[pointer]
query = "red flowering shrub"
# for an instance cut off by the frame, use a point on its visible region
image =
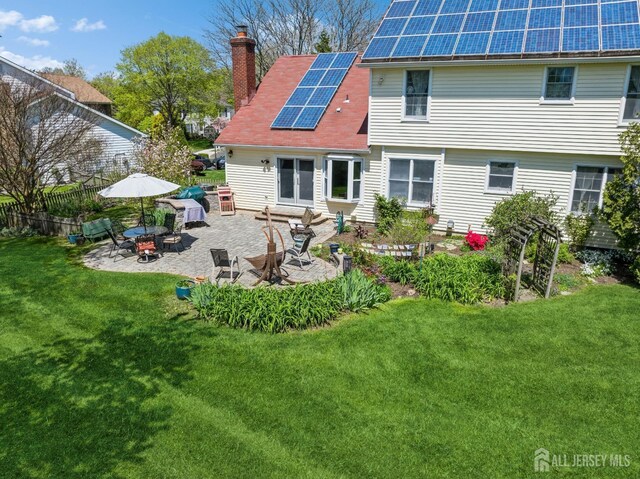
(476, 241)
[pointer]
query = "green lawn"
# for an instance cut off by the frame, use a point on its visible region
(211, 175)
(198, 145)
(106, 375)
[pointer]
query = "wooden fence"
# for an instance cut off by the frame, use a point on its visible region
(49, 201)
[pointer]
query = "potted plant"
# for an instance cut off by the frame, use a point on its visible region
(75, 238)
(183, 288)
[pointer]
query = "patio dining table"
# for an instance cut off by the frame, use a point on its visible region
(140, 230)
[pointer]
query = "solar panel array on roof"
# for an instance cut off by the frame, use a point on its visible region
(310, 99)
(461, 28)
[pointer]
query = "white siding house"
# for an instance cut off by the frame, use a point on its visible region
(117, 138)
(482, 114)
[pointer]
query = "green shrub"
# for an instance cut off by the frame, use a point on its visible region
(14, 232)
(398, 271)
(578, 228)
(635, 269)
(409, 228)
(467, 279)
(564, 254)
(276, 310)
(160, 214)
(387, 212)
(517, 209)
(73, 208)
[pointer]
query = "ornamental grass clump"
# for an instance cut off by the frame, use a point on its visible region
(276, 310)
(467, 279)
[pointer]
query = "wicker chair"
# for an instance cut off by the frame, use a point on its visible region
(224, 265)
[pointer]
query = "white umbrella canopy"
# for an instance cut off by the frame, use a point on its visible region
(138, 185)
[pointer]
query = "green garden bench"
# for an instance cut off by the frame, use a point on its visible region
(97, 229)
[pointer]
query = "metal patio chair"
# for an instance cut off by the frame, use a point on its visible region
(224, 265)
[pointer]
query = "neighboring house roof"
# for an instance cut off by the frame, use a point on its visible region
(435, 30)
(337, 131)
(83, 91)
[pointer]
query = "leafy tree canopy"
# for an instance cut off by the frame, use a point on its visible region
(172, 75)
(70, 67)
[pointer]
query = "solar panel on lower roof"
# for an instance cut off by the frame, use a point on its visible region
(287, 117)
(526, 27)
(309, 118)
(308, 102)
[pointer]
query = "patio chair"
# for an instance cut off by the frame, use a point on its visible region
(146, 248)
(224, 265)
(174, 239)
(118, 246)
(170, 221)
(299, 250)
(302, 225)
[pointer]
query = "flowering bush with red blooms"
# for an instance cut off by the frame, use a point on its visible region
(476, 241)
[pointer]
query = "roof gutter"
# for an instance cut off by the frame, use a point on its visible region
(497, 61)
(293, 148)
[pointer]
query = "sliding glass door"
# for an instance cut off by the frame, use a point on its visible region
(295, 181)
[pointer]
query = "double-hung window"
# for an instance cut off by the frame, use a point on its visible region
(416, 94)
(632, 100)
(559, 84)
(343, 178)
(501, 176)
(589, 185)
(412, 180)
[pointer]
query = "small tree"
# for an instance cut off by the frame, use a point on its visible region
(516, 210)
(621, 201)
(165, 156)
(42, 135)
(324, 43)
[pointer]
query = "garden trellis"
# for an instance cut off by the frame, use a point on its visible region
(548, 241)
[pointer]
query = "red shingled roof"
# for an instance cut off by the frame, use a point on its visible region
(346, 130)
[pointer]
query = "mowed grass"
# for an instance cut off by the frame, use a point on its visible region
(106, 375)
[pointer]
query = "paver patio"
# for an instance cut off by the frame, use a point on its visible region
(241, 235)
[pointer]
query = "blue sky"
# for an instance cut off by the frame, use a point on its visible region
(40, 33)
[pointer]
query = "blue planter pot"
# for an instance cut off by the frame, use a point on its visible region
(75, 239)
(333, 247)
(183, 292)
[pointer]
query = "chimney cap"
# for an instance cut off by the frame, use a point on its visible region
(242, 30)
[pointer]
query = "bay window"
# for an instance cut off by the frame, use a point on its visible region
(343, 178)
(412, 180)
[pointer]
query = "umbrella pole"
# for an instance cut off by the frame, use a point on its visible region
(144, 221)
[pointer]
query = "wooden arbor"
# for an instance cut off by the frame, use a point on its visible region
(549, 237)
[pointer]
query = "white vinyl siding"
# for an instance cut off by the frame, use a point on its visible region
(498, 108)
(254, 184)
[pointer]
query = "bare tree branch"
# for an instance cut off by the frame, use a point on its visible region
(42, 135)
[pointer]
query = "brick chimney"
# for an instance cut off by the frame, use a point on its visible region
(243, 57)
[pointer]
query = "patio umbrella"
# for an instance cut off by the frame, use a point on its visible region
(139, 185)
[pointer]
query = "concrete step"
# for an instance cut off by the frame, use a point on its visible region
(283, 214)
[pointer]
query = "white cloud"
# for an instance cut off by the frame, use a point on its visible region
(43, 24)
(9, 19)
(36, 62)
(34, 42)
(83, 25)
